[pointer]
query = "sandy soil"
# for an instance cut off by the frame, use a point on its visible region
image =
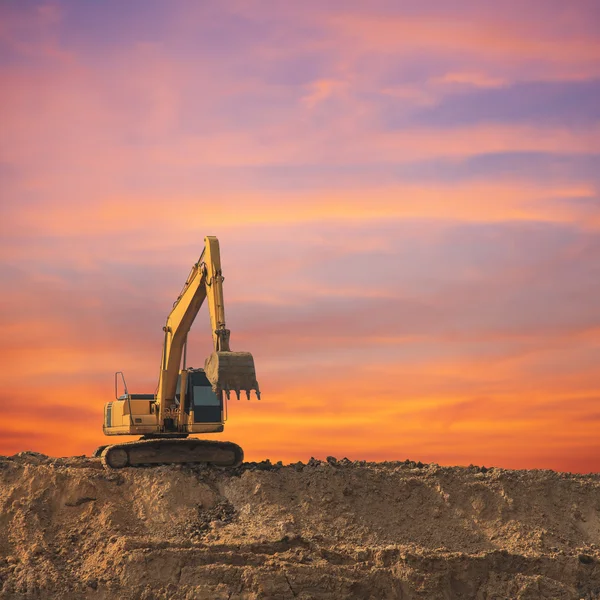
(402, 530)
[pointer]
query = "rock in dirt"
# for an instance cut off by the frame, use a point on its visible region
(331, 529)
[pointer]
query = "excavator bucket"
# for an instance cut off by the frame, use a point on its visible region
(232, 371)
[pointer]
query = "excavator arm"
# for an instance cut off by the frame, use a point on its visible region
(226, 370)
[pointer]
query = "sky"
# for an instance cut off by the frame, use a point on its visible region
(407, 196)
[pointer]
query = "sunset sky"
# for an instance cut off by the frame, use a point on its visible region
(407, 196)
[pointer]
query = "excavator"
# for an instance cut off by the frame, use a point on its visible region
(187, 401)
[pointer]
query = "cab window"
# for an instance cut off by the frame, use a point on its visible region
(204, 396)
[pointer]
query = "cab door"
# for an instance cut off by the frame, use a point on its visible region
(206, 406)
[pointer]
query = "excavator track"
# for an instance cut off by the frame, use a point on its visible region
(171, 451)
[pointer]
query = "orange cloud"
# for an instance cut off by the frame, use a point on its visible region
(476, 79)
(482, 37)
(472, 202)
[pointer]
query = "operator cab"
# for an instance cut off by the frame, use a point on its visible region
(201, 401)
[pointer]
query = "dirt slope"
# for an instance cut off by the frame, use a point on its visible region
(69, 529)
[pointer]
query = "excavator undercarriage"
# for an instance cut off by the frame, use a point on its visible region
(166, 451)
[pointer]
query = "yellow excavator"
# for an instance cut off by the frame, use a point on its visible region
(187, 400)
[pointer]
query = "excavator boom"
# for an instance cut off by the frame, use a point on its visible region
(226, 370)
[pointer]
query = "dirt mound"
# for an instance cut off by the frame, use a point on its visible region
(330, 529)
